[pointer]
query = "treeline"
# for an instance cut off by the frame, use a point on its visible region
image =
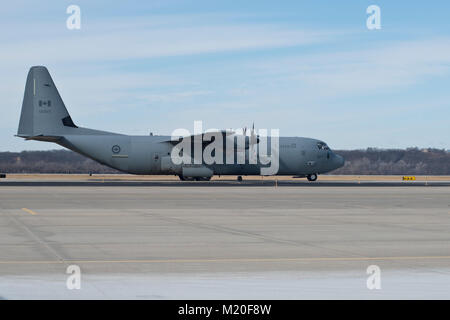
(53, 161)
(412, 161)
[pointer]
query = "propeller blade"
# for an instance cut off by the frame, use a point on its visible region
(253, 138)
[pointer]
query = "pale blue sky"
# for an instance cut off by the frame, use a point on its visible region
(308, 68)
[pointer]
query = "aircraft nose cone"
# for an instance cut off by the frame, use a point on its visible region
(339, 161)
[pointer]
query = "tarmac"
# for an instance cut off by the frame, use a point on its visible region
(225, 239)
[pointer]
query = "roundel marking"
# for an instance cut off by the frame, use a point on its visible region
(115, 149)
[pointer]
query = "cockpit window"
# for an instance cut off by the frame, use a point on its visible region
(322, 146)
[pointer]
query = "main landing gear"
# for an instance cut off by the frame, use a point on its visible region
(312, 177)
(182, 178)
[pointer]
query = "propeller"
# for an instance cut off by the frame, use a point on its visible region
(253, 141)
(253, 138)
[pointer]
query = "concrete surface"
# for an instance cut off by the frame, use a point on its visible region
(167, 241)
(132, 177)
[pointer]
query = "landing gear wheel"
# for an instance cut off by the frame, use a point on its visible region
(239, 178)
(312, 177)
(203, 178)
(182, 178)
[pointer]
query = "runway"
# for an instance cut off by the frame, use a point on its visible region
(157, 239)
(218, 183)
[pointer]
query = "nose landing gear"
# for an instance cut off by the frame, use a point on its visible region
(312, 177)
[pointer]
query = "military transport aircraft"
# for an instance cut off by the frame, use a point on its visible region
(44, 117)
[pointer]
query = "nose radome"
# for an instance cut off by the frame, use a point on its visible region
(339, 160)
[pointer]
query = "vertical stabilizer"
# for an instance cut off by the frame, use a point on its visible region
(43, 111)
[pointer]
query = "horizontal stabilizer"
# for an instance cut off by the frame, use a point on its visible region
(41, 138)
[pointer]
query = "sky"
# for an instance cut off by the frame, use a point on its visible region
(307, 68)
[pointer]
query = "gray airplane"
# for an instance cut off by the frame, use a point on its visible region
(44, 117)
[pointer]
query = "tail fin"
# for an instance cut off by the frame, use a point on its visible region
(43, 111)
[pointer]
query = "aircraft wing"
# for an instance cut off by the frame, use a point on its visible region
(193, 137)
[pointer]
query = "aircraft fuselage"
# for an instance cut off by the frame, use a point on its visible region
(148, 155)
